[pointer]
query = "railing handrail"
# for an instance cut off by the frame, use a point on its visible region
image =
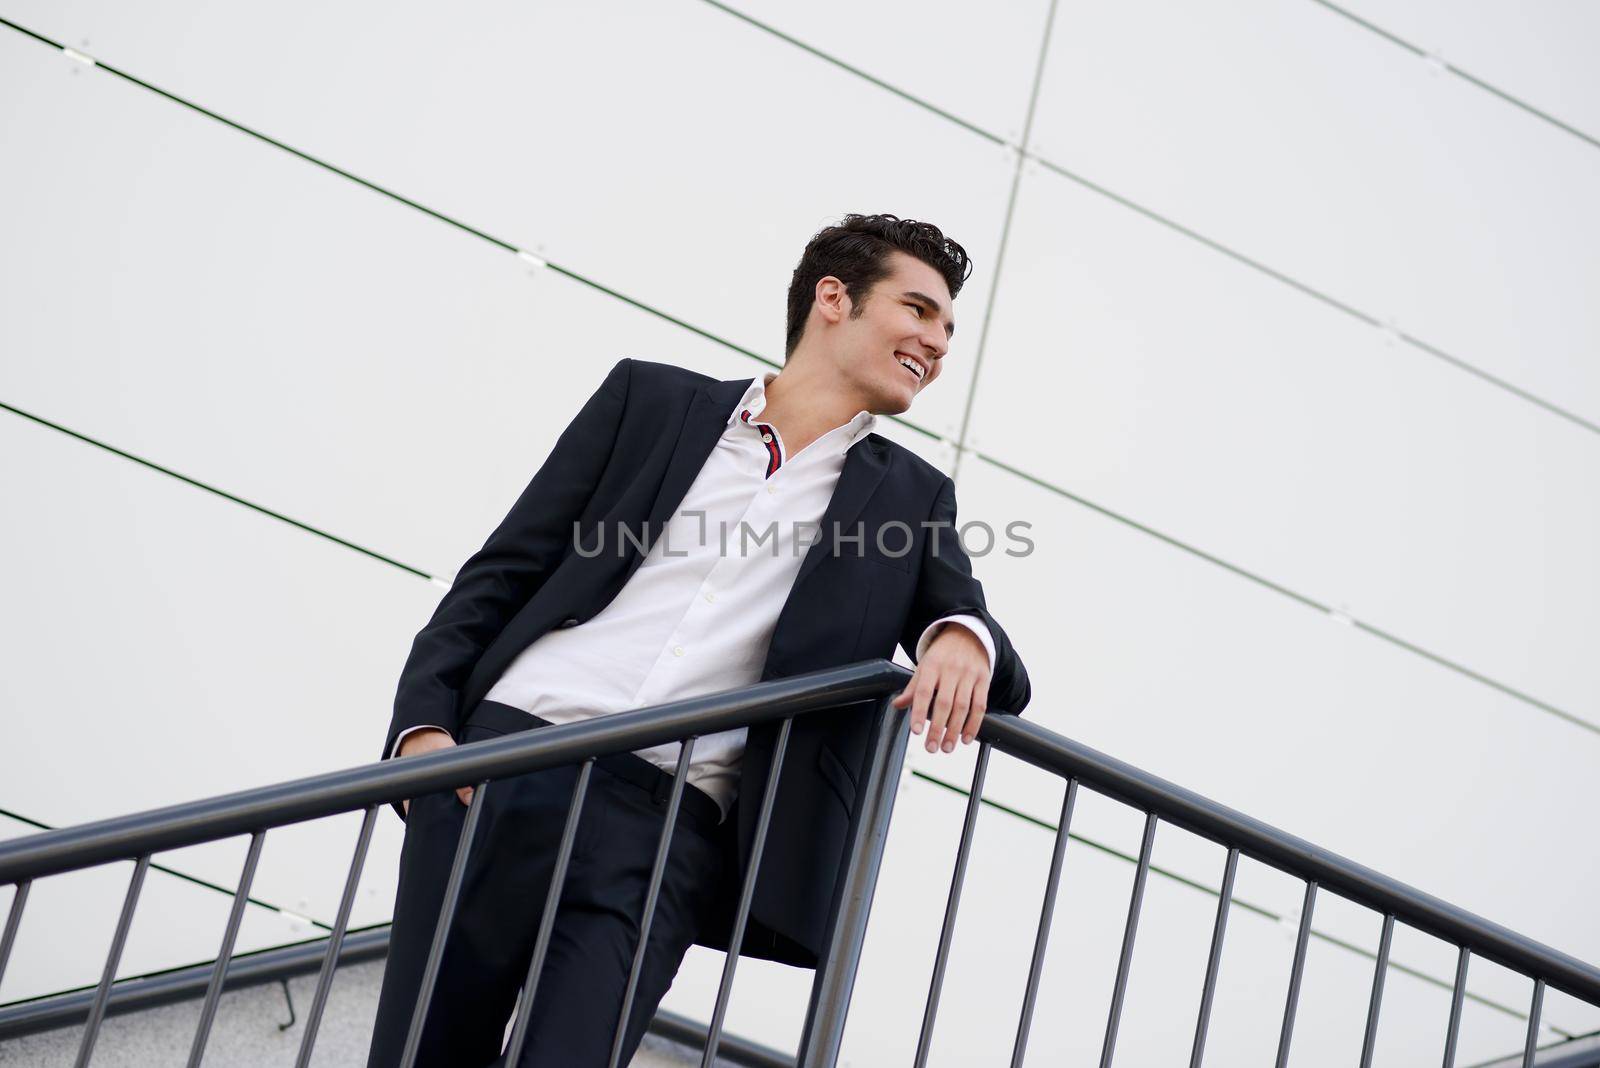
(1231, 828)
(248, 811)
(331, 793)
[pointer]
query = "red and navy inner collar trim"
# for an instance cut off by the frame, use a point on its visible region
(770, 436)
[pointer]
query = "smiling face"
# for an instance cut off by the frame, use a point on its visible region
(895, 348)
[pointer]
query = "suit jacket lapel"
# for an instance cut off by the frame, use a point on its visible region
(864, 467)
(703, 424)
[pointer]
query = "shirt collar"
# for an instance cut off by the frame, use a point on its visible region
(755, 398)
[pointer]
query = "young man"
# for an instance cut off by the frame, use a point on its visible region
(781, 536)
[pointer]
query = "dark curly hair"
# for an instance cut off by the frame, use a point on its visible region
(857, 253)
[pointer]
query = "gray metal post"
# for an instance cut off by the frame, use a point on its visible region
(823, 1033)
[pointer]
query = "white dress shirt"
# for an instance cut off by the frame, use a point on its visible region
(698, 613)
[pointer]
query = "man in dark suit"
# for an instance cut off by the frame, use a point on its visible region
(594, 596)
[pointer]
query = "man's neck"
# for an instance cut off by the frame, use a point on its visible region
(805, 404)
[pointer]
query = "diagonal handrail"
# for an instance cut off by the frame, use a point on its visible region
(139, 835)
(481, 763)
(331, 793)
(484, 763)
(1305, 860)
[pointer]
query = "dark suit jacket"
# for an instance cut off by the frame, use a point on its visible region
(629, 458)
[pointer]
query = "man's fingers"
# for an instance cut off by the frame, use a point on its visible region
(960, 712)
(980, 705)
(966, 712)
(905, 697)
(943, 703)
(959, 715)
(920, 702)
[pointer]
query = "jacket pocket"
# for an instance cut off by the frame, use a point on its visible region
(833, 771)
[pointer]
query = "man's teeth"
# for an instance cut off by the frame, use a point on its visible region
(912, 364)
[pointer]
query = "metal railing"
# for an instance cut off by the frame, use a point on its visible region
(1241, 835)
(254, 812)
(280, 964)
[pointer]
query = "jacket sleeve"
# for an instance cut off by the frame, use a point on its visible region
(498, 579)
(946, 586)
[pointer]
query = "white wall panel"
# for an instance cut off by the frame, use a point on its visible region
(683, 162)
(1296, 137)
(225, 648)
(165, 645)
(1204, 400)
(297, 336)
(975, 62)
(1541, 54)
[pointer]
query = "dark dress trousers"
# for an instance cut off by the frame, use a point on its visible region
(627, 460)
(580, 991)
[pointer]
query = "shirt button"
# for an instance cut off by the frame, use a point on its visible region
(771, 490)
(677, 650)
(766, 437)
(710, 597)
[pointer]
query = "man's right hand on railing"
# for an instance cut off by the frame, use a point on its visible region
(426, 741)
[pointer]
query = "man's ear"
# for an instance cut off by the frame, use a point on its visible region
(832, 299)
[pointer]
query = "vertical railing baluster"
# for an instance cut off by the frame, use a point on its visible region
(1300, 943)
(828, 1008)
(330, 958)
(1046, 911)
(1534, 1010)
(441, 930)
(102, 994)
(947, 931)
(662, 847)
(1214, 961)
(1370, 1042)
(241, 898)
(547, 919)
(746, 895)
(1125, 961)
(13, 922)
(1457, 995)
